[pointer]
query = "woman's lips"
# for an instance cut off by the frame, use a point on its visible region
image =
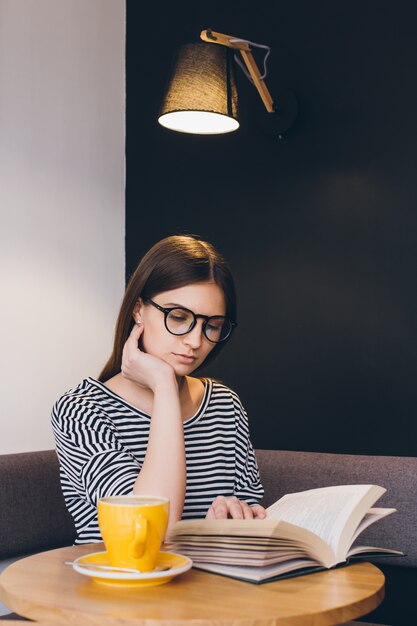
(184, 358)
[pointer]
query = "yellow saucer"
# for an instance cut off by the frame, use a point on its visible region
(176, 563)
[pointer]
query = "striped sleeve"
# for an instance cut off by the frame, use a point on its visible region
(247, 484)
(90, 454)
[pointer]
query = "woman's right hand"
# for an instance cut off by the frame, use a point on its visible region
(142, 368)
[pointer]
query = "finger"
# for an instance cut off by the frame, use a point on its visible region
(220, 508)
(235, 508)
(131, 344)
(247, 510)
(258, 511)
(136, 332)
(210, 514)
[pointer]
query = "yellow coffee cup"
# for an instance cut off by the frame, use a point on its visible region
(133, 529)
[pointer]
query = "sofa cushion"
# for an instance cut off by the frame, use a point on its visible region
(33, 516)
(284, 471)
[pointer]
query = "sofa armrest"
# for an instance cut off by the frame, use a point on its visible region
(33, 515)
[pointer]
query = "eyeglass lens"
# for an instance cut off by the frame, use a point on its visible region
(180, 322)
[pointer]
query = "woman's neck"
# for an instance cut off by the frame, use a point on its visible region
(180, 382)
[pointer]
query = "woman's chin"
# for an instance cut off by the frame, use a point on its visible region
(184, 370)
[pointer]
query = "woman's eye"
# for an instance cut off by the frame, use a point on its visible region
(178, 317)
(214, 327)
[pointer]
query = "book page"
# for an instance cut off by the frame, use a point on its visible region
(326, 511)
(240, 559)
(372, 551)
(372, 516)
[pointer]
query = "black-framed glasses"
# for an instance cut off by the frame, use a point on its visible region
(180, 321)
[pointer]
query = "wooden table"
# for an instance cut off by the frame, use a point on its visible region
(42, 588)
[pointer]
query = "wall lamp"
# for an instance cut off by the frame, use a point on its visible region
(201, 95)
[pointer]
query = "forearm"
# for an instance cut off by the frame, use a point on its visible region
(163, 471)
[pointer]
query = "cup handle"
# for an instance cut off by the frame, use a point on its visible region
(140, 527)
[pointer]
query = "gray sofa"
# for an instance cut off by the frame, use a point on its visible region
(33, 516)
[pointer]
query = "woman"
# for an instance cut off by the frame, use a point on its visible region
(146, 425)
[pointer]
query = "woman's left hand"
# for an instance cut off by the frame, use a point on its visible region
(231, 507)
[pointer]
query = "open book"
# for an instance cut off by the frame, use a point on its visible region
(303, 532)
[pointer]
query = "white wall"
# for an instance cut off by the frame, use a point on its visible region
(62, 99)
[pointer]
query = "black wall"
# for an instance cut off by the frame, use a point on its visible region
(320, 228)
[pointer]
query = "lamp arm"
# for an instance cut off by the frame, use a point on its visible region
(245, 50)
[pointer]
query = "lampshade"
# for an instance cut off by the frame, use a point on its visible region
(201, 95)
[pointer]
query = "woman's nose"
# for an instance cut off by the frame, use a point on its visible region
(194, 337)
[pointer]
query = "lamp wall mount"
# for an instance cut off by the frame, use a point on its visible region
(245, 50)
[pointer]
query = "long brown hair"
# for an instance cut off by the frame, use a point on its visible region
(171, 263)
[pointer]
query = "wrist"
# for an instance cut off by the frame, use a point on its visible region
(166, 381)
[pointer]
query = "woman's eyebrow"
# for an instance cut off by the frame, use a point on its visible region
(181, 306)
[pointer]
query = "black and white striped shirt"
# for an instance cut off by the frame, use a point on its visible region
(101, 443)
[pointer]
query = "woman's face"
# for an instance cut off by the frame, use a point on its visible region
(184, 353)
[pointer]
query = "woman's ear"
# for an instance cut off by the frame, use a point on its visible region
(137, 312)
